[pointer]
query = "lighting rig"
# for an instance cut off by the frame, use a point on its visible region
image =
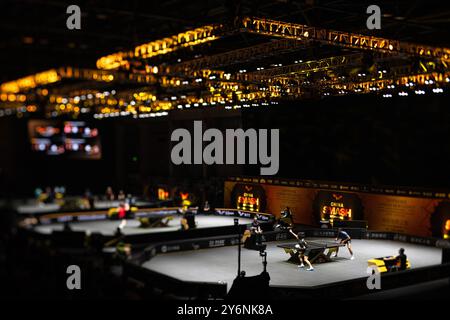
(134, 83)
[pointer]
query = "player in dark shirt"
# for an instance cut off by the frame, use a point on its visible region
(256, 230)
(287, 213)
(256, 227)
(302, 248)
(401, 259)
(285, 220)
(187, 219)
(344, 238)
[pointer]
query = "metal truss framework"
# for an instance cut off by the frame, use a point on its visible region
(381, 84)
(346, 39)
(265, 27)
(163, 46)
(199, 82)
(55, 75)
(304, 67)
(267, 75)
(238, 56)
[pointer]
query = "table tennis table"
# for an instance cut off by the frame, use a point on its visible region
(155, 222)
(319, 250)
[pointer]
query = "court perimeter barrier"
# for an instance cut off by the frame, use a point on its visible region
(336, 290)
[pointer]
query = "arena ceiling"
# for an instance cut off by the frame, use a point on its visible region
(141, 57)
(34, 36)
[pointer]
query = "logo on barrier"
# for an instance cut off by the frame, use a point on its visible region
(444, 244)
(281, 236)
(234, 242)
(174, 248)
(216, 243)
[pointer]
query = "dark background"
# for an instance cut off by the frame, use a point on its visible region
(363, 139)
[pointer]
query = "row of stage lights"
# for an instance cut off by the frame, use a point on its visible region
(126, 114)
(408, 88)
(7, 112)
(80, 103)
(63, 103)
(195, 105)
(82, 97)
(417, 92)
(248, 105)
(243, 104)
(400, 90)
(227, 106)
(18, 111)
(412, 88)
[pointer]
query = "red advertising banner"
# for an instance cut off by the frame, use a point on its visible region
(419, 216)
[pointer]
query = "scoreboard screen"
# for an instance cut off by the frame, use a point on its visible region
(250, 197)
(71, 139)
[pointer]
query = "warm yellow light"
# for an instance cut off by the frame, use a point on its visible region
(30, 82)
(31, 108)
(159, 47)
(112, 61)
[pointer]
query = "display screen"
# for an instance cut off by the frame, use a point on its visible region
(72, 139)
(249, 197)
(413, 215)
(248, 201)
